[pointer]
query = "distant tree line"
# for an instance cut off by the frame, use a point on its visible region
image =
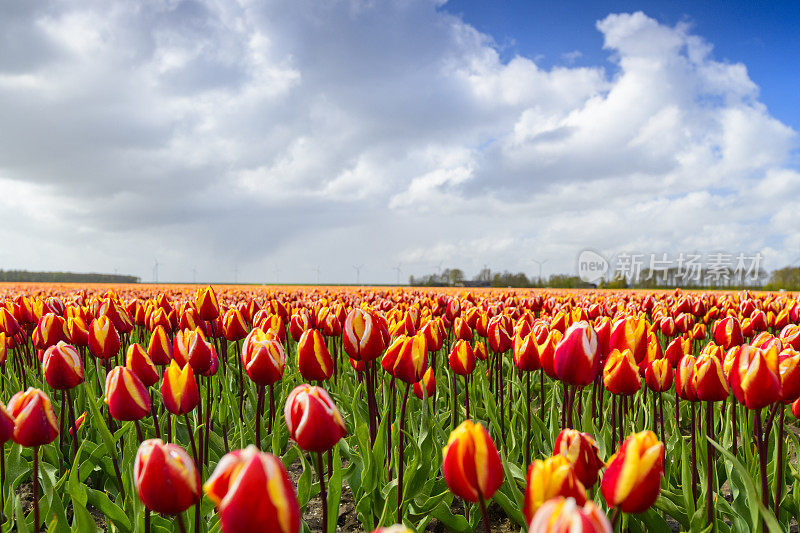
(785, 278)
(454, 277)
(64, 277)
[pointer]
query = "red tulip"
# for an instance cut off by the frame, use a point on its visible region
(313, 420)
(632, 480)
(104, 340)
(362, 339)
(620, 374)
(564, 515)
(462, 358)
(160, 347)
(548, 479)
(126, 396)
(583, 454)
(426, 384)
(63, 368)
(709, 380)
(313, 359)
(407, 358)
(34, 420)
(253, 492)
(658, 375)
(165, 477)
(526, 352)
(472, 467)
(576, 359)
(206, 304)
(138, 362)
(179, 389)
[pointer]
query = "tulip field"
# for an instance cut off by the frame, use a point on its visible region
(139, 408)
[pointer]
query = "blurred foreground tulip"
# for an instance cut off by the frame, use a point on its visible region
(555, 476)
(165, 477)
(565, 515)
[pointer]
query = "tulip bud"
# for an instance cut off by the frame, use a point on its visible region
(160, 347)
(620, 374)
(658, 375)
(126, 396)
(206, 304)
(667, 326)
(34, 420)
(755, 377)
(789, 368)
(397, 528)
(480, 351)
(526, 352)
(263, 358)
(192, 348)
(78, 424)
(560, 515)
(179, 389)
(709, 379)
(104, 340)
(426, 384)
(166, 478)
(630, 333)
(576, 359)
(407, 358)
(684, 379)
(461, 330)
(313, 420)
(472, 467)
(728, 333)
(138, 362)
(548, 479)
(790, 335)
(253, 492)
(6, 425)
(63, 368)
(361, 335)
(462, 358)
(583, 454)
(234, 325)
(499, 334)
(632, 480)
(313, 359)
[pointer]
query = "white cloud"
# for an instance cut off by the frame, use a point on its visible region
(215, 134)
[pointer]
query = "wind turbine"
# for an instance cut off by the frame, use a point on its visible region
(358, 273)
(397, 269)
(155, 271)
(316, 269)
(540, 263)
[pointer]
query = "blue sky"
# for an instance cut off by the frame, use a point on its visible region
(765, 36)
(250, 138)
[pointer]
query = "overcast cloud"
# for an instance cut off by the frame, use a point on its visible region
(275, 138)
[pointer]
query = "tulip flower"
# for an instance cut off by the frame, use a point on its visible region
(51, 330)
(728, 333)
(631, 334)
(104, 340)
(206, 304)
(253, 492)
(632, 480)
(6, 433)
(564, 515)
(160, 347)
(425, 386)
(620, 374)
(407, 358)
(397, 528)
(583, 454)
(755, 376)
(790, 335)
(166, 478)
(34, 425)
(234, 326)
(315, 424)
(313, 359)
(361, 335)
(472, 467)
(63, 368)
(126, 396)
(179, 389)
(553, 477)
(576, 360)
(34, 420)
(78, 424)
(138, 362)
(191, 347)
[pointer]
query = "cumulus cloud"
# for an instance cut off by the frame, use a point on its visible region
(293, 134)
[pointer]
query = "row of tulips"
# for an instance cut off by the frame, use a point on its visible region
(174, 371)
